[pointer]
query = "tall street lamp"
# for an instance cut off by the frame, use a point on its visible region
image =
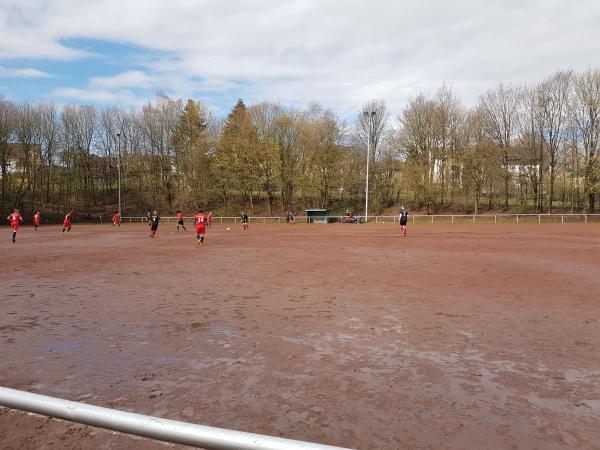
(119, 169)
(369, 115)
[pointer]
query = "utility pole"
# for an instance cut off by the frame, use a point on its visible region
(369, 116)
(119, 169)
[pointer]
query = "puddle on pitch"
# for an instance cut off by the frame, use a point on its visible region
(213, 327)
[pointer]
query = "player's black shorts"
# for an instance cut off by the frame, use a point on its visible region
(180, 222)
(403, 222)
(154, 226)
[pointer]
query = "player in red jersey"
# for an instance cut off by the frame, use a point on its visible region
(67, 222)
(200, 226)
(180, 221)
(116, 220)
(15, 219)
(209, 217)
(36, 220)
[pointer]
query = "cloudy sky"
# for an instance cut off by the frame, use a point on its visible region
(341, 53)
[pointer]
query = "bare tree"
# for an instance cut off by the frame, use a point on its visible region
(376, 126)
(585, 110)
(7, 128)
(500, 106)
(264, 117)
(50, 136)
(552, 96)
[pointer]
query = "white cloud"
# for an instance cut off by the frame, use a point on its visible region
(120, 97)
(131, 79)
(28, 72)
(340, 53)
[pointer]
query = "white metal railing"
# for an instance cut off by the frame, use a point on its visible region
(497, 218)
(148, 426)
(415, 218)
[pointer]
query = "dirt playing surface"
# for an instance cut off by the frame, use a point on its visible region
(458, 336)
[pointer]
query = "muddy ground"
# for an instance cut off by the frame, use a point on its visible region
(454, 337)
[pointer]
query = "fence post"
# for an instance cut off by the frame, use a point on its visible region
(495, 218)
(473, 218)
(431, 220)
(517, 218)
(539, 218)
(585, 218)
(452, 219)
(562, 218)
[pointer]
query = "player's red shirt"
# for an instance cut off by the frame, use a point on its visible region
(179, 216)
(209, 218)
(199, 219)
(68, 218)
(36, 219)
(14, 218)
(116, 218)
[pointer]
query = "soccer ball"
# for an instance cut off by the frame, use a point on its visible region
(228, 229)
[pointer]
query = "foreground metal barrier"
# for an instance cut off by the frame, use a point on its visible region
(148, 426)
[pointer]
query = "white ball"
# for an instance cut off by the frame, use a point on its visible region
(228, 229)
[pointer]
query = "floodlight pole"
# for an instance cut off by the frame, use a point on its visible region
(369, 115)
(119, 169)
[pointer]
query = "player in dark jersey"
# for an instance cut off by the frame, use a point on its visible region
(245, 221)
(403, 220)
(154, 219)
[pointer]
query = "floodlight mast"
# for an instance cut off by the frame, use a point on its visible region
(119, 169)
(370, 115)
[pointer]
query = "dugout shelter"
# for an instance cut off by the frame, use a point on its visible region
(316, 215)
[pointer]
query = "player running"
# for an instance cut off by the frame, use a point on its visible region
(403, 220)
(67, 222)
(245, 221)
(209, 218)
(15, 219)
(116, 220)
(36, 220)
(180, 220)
(154, 219)
(149, 218)
(200, 221)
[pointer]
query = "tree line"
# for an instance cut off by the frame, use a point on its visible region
(520, 148)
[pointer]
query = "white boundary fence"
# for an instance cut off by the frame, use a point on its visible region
(148, 426)
(415, 219)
